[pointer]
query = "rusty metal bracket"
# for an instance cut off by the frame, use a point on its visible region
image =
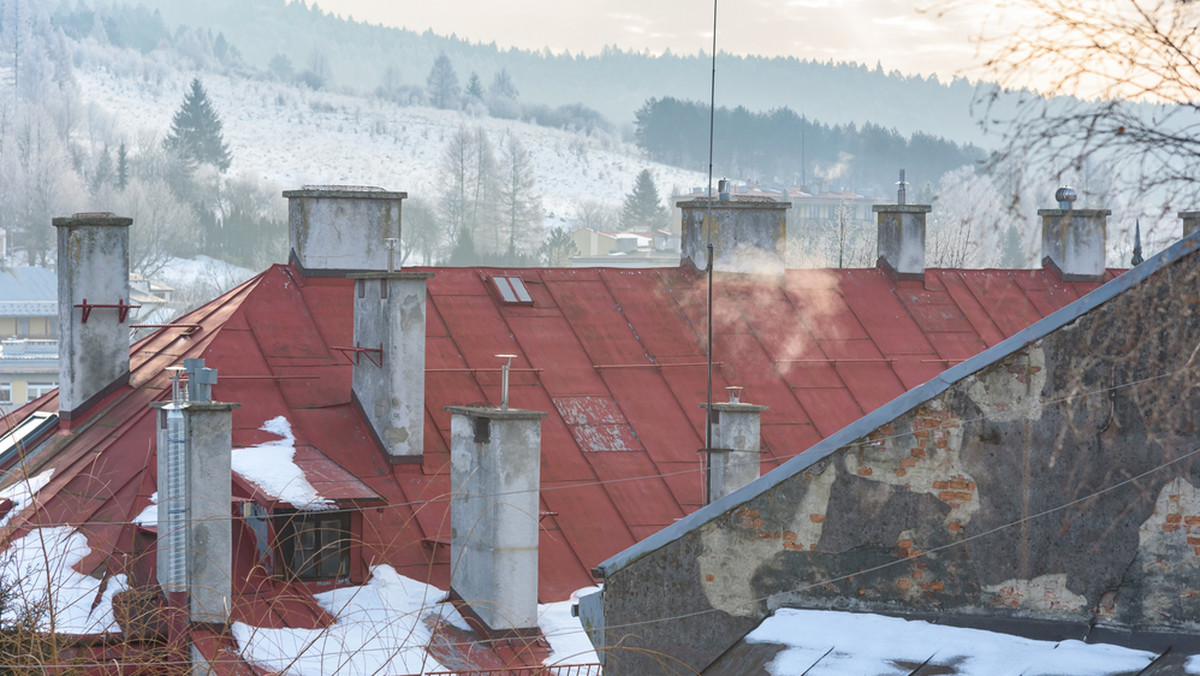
(121, 307)
(359, 351)
(188, 329)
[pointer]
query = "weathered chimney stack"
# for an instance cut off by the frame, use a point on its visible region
(389, 359)
(901, 235)
(93, 305)
(1073, 240)
(1191, 221)
(749, 234)
(735, 458)
(495, 461)
(336, 229)
(195, 531)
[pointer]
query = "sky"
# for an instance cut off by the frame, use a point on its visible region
(912, 36)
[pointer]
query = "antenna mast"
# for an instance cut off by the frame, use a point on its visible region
(708, 409)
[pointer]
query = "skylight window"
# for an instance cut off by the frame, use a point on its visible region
(19, 440)
(512, 290)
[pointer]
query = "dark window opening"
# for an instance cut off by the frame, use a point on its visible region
(483, 430)
(314, 545)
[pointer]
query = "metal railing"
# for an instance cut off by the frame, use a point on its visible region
(560, 670)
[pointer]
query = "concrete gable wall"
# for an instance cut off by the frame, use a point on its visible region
(957, 505)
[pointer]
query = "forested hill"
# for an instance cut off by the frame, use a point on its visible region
(615, 82)
(781, 146)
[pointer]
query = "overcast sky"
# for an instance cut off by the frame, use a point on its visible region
(896, 33)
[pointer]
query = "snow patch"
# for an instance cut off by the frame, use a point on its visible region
(39, 569)
(22, 492)
(830, 642)
(382, 627)
(569, 642)
(270, 466)
(148, 518)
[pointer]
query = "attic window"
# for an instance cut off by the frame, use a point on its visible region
(313, 545)
(512, 290)
(21, 438)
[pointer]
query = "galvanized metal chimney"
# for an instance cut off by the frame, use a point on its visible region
(749, 234)
(1073, 240)
(93, 306)
(389, 359)
(495, 461)
(337, 229)
(735, 459)
(900, 237)
(195, 532)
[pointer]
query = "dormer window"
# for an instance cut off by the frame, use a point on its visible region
(512, 290)
(313, 545)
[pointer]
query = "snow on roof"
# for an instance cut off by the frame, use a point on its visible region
(21, 493)
(831, 642)
(385, 627)
(270, 466)
(40, 570)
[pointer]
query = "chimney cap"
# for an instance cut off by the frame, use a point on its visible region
(367, 192)
(92, 218)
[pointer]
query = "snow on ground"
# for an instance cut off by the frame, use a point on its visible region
(382, 627)
(39, 567)
(569, 643)
(269, 465)
(290, 136)
(857, 643)
(21, 493)
(202, 271)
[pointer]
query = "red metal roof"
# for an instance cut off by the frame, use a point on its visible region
(616, 357)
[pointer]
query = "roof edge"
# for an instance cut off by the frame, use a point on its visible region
(906, 402)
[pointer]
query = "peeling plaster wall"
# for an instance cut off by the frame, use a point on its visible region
(1050, 485)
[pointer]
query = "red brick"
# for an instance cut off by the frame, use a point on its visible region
(941, 485)
(918, 453)
(816, 518)
(1170, 528)
(1174, 518)
(1192, 520)
(904, 544)
(921, 434)
(900, 472)
(864, 471)
(1193, 541)
(903, 584)
(937, 586)
(708, 578)
(908, 462)
(955, 526)
(942, 443)
(957, 485)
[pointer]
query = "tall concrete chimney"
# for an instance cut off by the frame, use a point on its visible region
(1191, 221)
(389, 359)
(1073, 240)
(93, 305)
(195, 532)
(749, 234)
(337, 229)
(735, 457)
(901, 239)
(495, 461)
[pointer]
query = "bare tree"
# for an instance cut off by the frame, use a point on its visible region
(1126, 80)
(520, 205)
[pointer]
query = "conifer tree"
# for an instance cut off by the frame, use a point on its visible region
(122, 167)
(643, 207)
(196, 131)
(442, 83)
(475, 87)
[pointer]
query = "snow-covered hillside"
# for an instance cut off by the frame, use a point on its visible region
(291, 136)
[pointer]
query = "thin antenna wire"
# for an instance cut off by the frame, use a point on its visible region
(708, 414)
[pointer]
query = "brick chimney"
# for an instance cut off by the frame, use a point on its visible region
(1191, 221)
(93, 306)
(195, 531)
(734, 459)
(901, 235)
(1073, 240)
(495, 460)
(336, 229)
(749, 234)
(389, 359)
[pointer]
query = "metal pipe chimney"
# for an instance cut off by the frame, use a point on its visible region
(93, 306)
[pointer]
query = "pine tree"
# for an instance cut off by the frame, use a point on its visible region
(122, 167)
(558, 249)
(475, 87)
(1011, 254)
(196, 131)
(643, 207)
(442, 83)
